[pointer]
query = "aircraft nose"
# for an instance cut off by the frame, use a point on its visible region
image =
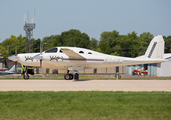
(39, 56)
(13, 58)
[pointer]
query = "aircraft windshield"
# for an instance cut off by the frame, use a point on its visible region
(53, 50)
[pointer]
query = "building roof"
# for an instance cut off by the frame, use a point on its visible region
(166, 55)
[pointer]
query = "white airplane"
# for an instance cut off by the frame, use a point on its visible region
(11, 71)
(74, 58)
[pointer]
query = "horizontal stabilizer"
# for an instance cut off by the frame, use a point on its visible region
(12, 70)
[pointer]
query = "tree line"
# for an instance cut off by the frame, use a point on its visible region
(111, 42)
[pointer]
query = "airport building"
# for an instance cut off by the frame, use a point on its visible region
(155, 69)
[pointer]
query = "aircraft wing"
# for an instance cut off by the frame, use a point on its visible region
(71, 54)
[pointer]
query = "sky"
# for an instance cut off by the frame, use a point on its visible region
(89, 16)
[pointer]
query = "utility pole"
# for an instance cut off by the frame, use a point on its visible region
(16, 61)
(41, 50)
(41, 54)
(7, 49)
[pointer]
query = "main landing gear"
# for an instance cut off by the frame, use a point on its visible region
(25, 74)
(68, 76)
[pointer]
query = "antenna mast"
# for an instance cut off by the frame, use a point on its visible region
(28, 27)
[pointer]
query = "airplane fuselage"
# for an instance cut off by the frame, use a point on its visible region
(92, 59)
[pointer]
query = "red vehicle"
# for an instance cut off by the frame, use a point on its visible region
(139, 72)
(3, 69)
(55, 71)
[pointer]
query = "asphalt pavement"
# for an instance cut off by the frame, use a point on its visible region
(85, 85)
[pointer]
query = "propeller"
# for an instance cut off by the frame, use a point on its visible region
(13, 58)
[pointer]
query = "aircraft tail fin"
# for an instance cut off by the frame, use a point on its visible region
(156, 48)
(12, 69)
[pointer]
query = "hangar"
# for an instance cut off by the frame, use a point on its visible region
(155, 69)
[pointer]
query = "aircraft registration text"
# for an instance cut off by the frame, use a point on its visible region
(113, 60)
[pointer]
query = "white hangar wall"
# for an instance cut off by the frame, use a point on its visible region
(155, 69)
(164, 69)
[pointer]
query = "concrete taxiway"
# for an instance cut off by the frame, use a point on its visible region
(89, 85)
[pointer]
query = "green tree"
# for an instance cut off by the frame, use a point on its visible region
(167, 44)
(14, 42)
(124, 44)
(57, 41)
(36, 45)
(133, 45)
(117, 50)
(75, 38)
(104, 47)
(20, 44)
(47, 43)
(111, 37)
(93, 44)
(108, 41)
(3, 51)
(144, 40)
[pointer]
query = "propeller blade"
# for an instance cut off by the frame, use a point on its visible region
(13, 58)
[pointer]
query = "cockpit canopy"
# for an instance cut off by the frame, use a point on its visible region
(52, 50)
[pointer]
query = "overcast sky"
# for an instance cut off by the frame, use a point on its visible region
(89, 16)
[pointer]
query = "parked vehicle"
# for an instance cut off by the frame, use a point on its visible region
(75, 71)
(55, 71)
(139, 72)
(18, 71)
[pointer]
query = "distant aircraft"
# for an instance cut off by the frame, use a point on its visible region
(74, 58)
(11, 71)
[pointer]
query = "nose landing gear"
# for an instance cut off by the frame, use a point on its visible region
(25, 70)
(26, 76)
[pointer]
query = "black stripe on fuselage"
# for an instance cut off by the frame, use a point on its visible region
(83, 59)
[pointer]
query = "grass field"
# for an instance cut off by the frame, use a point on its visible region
(93, 105)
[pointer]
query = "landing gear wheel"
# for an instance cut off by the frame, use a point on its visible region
(67, 77)
(71, 76)
(26, 76)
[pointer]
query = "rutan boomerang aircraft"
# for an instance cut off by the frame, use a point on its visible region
(74, 58)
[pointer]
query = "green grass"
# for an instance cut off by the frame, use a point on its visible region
(92, 105)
